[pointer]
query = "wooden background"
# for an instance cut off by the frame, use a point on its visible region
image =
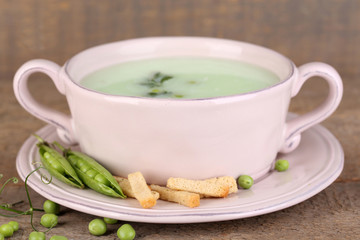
(304, 31)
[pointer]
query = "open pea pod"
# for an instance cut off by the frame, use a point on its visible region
(57, 165)
(93, 174)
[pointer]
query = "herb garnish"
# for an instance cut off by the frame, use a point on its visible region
(157, 80)
(154, 94)
(155, 83)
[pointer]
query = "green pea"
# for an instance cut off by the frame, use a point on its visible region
(78, 162)
(54, 163)
(51, 207)
(126, 232)
(245, 181)
(7, 230)
(49, 220)
(47, 155)
(101, 179)
(91, 173)
(110, 220)
(15, 225)
(281, 165)
(57, 237)
(2, 237)
(37, 236)
(84, 168)
(57, 166)
(97, 227)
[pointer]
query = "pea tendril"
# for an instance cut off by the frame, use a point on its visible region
(13, 179)
(9, 207)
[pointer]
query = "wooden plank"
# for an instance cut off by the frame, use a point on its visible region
(305, 31)
(331, 214)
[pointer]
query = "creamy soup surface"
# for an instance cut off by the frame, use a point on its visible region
(180, 77)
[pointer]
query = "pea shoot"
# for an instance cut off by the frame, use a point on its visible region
(245, 181)
(12, 212)
(281, 165)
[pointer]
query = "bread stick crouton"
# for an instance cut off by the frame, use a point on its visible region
(141, 190)
(182, 197)
(230, 181)
(233, 188)
(206, 187)
(127, 190)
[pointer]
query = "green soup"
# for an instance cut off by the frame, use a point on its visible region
(180, 77)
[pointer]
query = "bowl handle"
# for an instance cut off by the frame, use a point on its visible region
(297, 125)
(58, 119)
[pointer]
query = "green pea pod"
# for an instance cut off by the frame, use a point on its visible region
(57, 165)
(108, 185)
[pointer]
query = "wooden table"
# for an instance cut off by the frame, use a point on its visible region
(305, 31)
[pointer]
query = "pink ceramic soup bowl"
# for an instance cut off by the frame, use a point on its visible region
(190, 138)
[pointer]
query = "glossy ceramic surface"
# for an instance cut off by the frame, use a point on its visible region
(314, 165)
(198, 138)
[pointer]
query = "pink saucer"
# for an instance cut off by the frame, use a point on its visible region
(314, 165)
